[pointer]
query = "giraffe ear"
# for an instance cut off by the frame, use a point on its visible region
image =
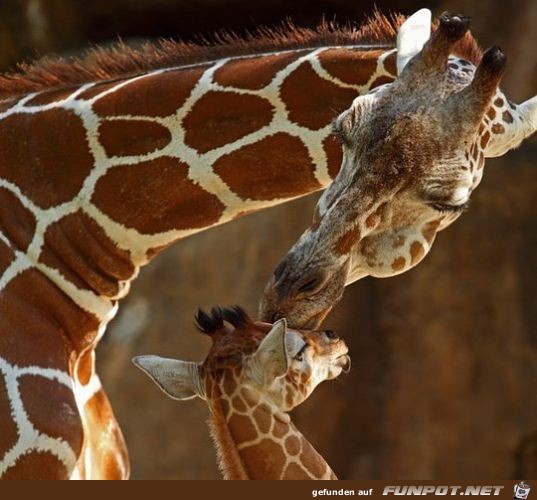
(515, 131)
(178, 379)
(411, 37)
(271, 358)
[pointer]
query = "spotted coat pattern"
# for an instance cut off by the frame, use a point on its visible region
(96, 179)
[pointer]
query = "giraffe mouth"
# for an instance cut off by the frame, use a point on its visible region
(344, 362)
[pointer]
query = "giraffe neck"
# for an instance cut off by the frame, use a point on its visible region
(112, 172)
(97, 179)
(255, 440)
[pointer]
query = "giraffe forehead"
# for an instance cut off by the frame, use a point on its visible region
(393, 102)
(230, 346)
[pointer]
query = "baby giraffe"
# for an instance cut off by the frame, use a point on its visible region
(253, 375)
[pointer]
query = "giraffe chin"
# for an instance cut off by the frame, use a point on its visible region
(344, 362)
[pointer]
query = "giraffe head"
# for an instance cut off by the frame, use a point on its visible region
(413, 152)
(257, 361)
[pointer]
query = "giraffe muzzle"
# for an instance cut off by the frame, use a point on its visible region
(344, 362)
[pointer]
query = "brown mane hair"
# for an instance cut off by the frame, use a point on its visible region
(120, 60)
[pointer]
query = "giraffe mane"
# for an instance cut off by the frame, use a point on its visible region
(213, 321)
(120, 60)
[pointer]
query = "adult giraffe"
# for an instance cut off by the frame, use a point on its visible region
(97, 176)
(414, 151)
(104, 161)
(254, 374)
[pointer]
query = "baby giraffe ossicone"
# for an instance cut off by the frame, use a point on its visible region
(254, 374)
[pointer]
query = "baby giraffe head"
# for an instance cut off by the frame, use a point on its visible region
(413, 152)
(250, 363)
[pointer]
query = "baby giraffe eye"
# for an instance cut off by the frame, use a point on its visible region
(299, 356)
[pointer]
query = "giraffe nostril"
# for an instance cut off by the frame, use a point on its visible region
(280, 269)
(311, 284)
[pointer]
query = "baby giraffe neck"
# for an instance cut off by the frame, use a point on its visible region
(255, 440)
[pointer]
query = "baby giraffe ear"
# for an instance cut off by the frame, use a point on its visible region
(178, 379)
(271, 357)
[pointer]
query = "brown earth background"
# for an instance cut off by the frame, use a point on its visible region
(444, 372)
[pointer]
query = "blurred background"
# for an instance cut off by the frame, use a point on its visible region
(444, 372)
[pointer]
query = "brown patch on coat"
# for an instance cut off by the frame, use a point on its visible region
(51, 328)
(263, 419)
(485, 139)
(17, 223)
(498, 128)
(220, 118)
(302, 108)
(474, 151)
(399, 264)
(238, 404)
(52, 409)
(507, 117)
(345, 243)
(241, 428)
(351, 66)
(429, 230)
(49, 97)
(334, 155)
(6, 104)
(155, 95)
(85, 366)
(224, 404)
(37, 465)
(36, 149)
(98, 88)
(229, 384)
(381, 80)
(481, 161)
(292, 445)
(277, 166)
(132, 137)
(9, 434)
(279, 429)
(264, 460)
(80, 250)
(390, 64)
(416, 252)
(7, 256)
(254, 73)
(156, 196)
(374, 218)
(289, 399)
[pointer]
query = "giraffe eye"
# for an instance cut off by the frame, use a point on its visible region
(343, 124)
(299, 356)
(443, 207)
